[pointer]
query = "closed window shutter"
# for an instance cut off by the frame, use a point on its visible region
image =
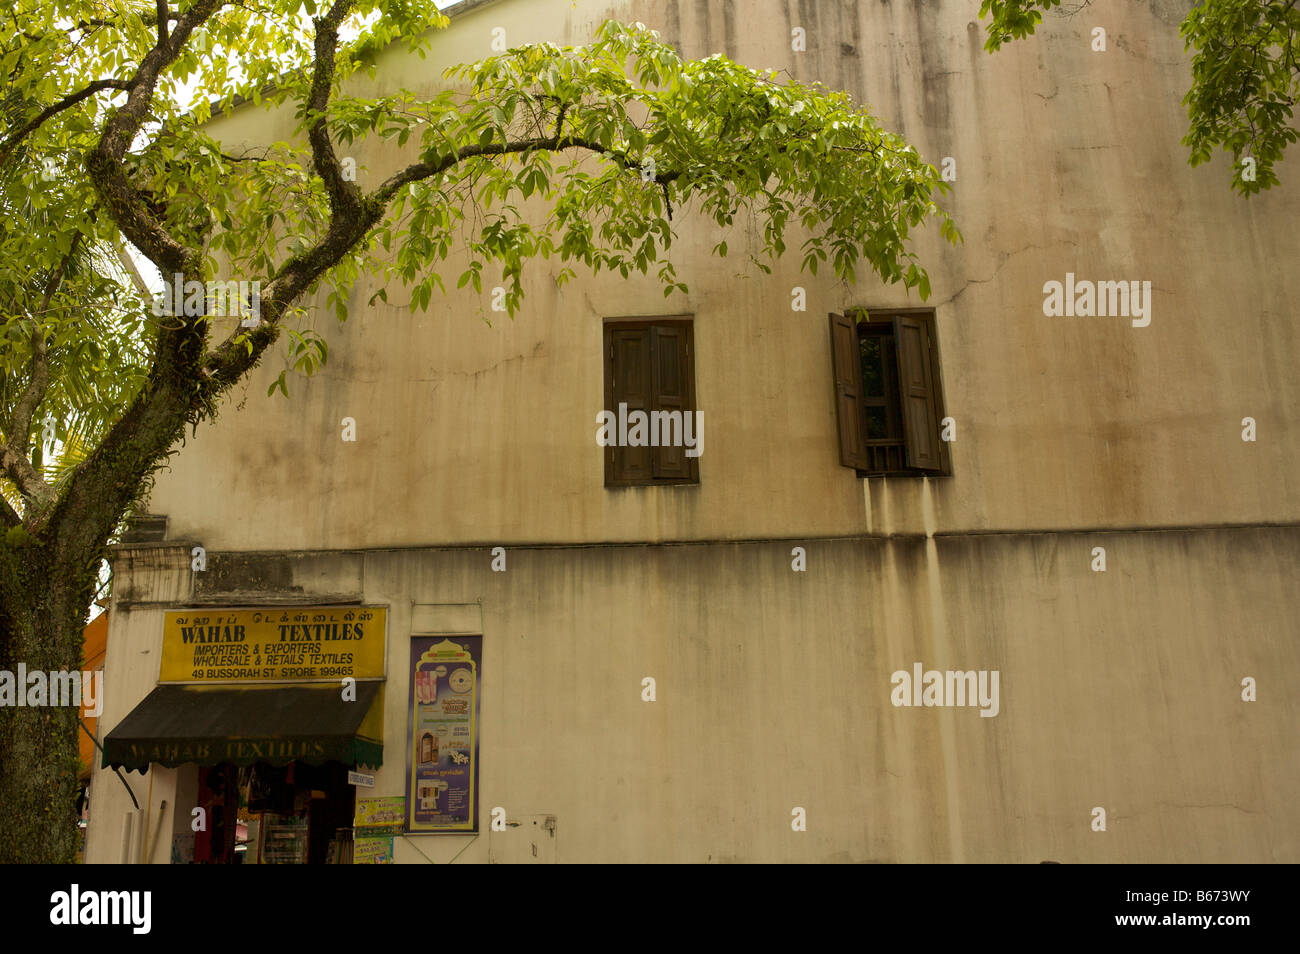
(633, 386)
(846, 360)
(917, 388)
(668, 347)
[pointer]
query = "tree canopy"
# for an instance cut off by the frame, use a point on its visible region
(102, 148)
(590, 154)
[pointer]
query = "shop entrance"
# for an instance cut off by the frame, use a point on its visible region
(275, 814)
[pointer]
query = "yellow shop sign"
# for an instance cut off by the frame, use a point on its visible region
(274, 645)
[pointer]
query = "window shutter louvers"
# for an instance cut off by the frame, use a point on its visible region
(633, 386)
(917, 387)
(846, 361)
(668, 356)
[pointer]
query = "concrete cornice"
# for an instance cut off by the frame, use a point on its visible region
(901, 536)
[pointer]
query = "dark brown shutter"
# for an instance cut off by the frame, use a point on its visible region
(846, 360)
(631, 385)
(917, 387)
(668, 355)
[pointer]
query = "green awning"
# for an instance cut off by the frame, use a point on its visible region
(274, 723)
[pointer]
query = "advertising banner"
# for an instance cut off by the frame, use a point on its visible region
(373, 851)
(442, 751)
(379, 815)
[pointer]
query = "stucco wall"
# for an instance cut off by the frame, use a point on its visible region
(1119, 690)
(1068, 160)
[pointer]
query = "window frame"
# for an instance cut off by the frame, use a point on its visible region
(685, 325)
(881, 322)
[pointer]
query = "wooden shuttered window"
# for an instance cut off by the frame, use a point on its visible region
(630, 384)
(916, 385)
(848, 392)
(649, 366)
(668, 353)
(891, 364)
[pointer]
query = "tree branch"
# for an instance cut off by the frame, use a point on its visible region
(72, 99)
(125, 204)
(8, 515)
(19, 425)
(28, 479)
(104, 484)
(344, 196)
(423, 170)
(13, 453)
(238, 353)
(146, 18)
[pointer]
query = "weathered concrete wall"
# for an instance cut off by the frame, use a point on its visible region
(1068, 160)
(1119, 690)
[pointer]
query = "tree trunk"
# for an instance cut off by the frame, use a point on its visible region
(42, 614)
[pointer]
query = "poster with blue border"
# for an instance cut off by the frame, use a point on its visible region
(442, 740)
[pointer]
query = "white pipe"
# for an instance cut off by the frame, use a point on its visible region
(127, 828)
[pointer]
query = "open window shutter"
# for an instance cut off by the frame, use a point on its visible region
(846, 359)
(916, 385)
(668, 357)
(632, 385)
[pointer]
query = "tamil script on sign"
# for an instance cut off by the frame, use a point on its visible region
(272, 645)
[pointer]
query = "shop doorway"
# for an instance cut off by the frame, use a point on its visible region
(275, 814)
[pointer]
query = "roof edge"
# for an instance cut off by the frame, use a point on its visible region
(216, 110)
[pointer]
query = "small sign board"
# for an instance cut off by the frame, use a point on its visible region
(373, 851)
(359, 778)
(376, 816)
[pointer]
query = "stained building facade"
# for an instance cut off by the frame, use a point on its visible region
(1090, 521)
